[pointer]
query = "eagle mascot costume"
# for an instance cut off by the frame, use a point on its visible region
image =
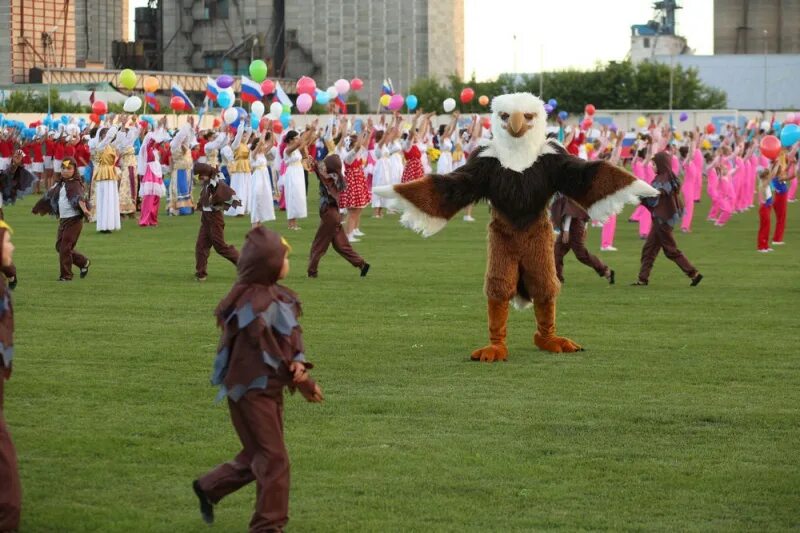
(518, 170)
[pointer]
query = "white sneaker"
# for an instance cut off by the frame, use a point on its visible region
(351, 238)
(608, 249)
(468, 218)
(357, 233)
(777, 243)
(765, 251)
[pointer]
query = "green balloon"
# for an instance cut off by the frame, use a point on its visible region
(258, 70)
(127, 78)
(287, 108)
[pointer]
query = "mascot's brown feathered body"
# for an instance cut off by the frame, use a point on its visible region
(518, 171)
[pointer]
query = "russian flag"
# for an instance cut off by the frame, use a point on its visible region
(212, 91)
(251, 91)
(340, 103)
(152, 102)
(177, 91)
(282, 97)
(387, 87)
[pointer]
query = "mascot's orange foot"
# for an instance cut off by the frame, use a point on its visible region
(491, 353)
(555, 344)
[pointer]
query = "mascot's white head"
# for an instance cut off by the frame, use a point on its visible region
(518, 130)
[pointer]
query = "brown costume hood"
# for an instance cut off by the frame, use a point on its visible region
(6, 318)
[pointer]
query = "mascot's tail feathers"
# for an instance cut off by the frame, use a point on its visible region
(614, 202)
(522, 299)
(413, 218)
(385, 191)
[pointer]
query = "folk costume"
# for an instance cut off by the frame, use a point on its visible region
(330, 231)
(260, 353)
(104, 188)
(14, 181)
(65, 201)
(10, 492)
(215, 197)
(571, 220)
(518, 171)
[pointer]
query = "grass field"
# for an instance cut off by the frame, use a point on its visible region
(683, 413)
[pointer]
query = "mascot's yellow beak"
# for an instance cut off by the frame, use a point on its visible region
(517, 125)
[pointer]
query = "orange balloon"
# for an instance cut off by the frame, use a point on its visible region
(483, 100)
(150, 84)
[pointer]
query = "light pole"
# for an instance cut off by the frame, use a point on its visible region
(765, 73)
(671, 80)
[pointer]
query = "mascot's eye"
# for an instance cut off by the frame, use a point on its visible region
(504, 116)
(529, 116)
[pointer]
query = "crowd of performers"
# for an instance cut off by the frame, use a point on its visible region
(123, 168)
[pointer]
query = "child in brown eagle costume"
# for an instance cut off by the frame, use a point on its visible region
(518, 171)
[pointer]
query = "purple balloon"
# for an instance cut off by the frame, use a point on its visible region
(613, 127)
(683, 116)
(548, 108)
(224, 81)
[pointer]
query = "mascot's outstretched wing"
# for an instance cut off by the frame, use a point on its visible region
(428, 203)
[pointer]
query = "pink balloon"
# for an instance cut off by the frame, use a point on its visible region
(396, 102)
(790, 118)
(306, 85)
(342, 86)
(356, 84)
(268, 87)
(304, 102)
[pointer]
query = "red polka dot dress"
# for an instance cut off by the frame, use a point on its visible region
(356, 194)
(413, 169)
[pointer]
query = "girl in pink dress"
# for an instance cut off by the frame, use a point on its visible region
(610, 225)
(727, 193)
(152, 187)
(689, 189)
(641, 168)
(713, 190)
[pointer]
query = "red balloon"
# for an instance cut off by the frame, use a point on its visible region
(176, 103)
(770, 147)
(276, 127)
(710, 128)
(356, 84)
(217, 123)
(306, 85)
(99, 107)
(589, 109)
(94, 118)
(587, 123)
(267, 86)
(467, 95)
(486, 123)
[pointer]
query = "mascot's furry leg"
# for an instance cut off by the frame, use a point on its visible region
(496, 350)
(545, 337)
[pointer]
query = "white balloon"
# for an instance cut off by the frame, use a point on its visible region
(342, 86)
(332, 92)
(765, 124)
(275, 109)
(230, 115)
(257, 109)
(132, 104)
(449, 105)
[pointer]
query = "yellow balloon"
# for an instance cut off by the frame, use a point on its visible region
(642, 122)
(678, 136)
(385, 99)
(706, 144)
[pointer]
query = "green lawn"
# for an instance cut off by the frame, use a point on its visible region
(683, 413)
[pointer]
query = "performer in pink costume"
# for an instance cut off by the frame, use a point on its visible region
(727, 194)
(689, 189)
(641, 168)
(713, 191)
(610, 225)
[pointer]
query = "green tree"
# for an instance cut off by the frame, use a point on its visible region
(36, 102)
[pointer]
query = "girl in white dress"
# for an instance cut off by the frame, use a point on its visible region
(445, 163)
(261, 207)
(382, 171)
(293, 179)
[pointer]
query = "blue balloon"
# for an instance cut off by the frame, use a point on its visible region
(563, 115)
(285, 118)
(322, 97)
(224, 99)
(254, 122)
(552, 103)
(358, 125)
(64, 119)
(411, 102)
(790, 134)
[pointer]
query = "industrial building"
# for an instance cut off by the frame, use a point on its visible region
(756, 26)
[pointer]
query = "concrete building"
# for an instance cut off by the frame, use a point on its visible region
(750, 26)
(325, 39)
(35, 34)
(98, 23)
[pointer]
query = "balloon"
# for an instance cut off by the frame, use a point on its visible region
(483, 100)
(356, 84)
(224, 81)
(286, 109)
(706, 145)
(306, 85)
(710, 128)
(396, 102)
(385, 99)
(230, 115)
(765, 125)
(225, 99)
(322, 97)
(258, 70)
(267, 87)
(127, 78)
(553, 103)
(562, 115)
(150, 84)
(332, 92)
(770, 147)
(275, 109)
(684, 116)
(486, 123)
(589, 109)
(548, 108)
(790, 134)
(613, 127)
(94, 118)
(586, 123)
(342, 86)
(467, 94)
(411, 102)
(285, 118)
(257, 109)
(176, 103)
(64, 119)
(217, 123)
(276, 127)
(449, 105)
(304, 102)
(790, 117)
(99, 107)
(254, 121)
(641, 122)
(132, 104)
